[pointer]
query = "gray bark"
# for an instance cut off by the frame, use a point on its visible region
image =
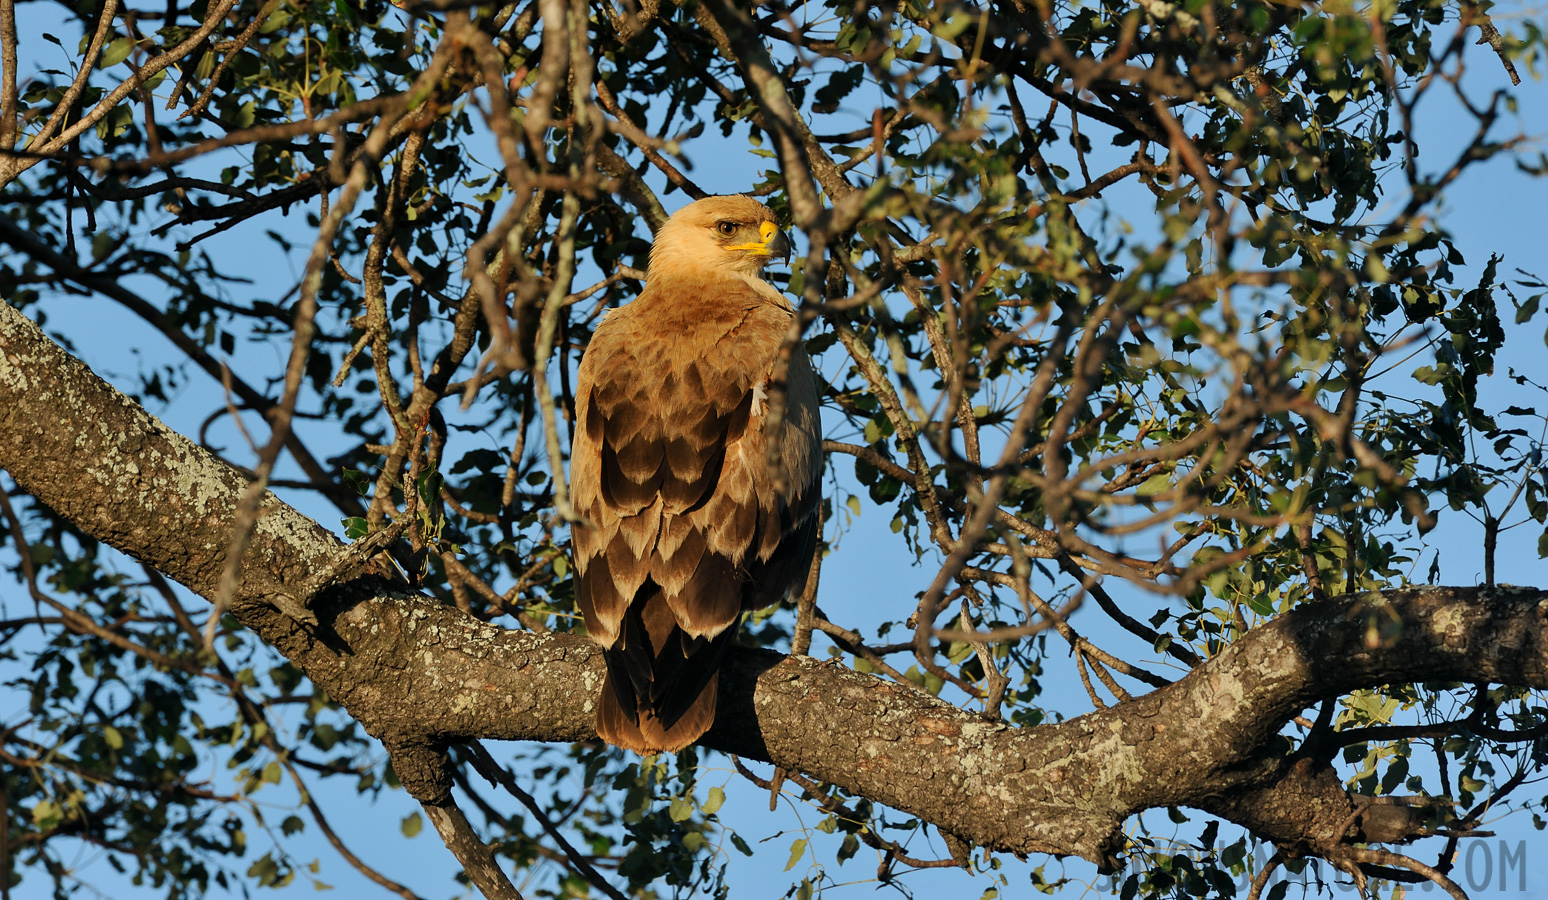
(1210, 740)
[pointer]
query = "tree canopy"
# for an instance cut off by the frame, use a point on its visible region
(1142, 326)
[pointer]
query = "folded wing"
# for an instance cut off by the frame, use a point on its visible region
(685, 524)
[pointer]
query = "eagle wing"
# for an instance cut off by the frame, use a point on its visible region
(685, 524)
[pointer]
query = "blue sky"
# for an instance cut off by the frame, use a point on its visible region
(1496, 210)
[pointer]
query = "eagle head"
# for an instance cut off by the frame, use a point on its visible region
(734, 232)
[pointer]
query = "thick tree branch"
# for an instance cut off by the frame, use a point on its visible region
(25, 242)
(1208, 740)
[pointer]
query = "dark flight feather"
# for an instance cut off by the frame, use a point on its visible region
(684, 525)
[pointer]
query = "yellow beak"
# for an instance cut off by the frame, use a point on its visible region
(771, 243)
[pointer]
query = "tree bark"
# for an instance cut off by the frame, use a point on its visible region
(1210, 740)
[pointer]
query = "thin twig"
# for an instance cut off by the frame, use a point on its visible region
(39, 147)
(78, 84)
(498, 775)
(246, 517)
(232, 51)
(252, 712)
(1372, 855)
(1261, 879)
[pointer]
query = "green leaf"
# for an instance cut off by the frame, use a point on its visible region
(797, 850)
(681, 809)
(953, 26)
(848, 848)
(102, 244)
(267, 872)
(714, 800)
(412, 823)
(46, 815)
(117, 52)
(1154, 485)
(114, 737)
(430, 487)
(357, 481)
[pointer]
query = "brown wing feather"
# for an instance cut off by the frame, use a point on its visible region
(685, 528)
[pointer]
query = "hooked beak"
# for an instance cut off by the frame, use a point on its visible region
(779, 246)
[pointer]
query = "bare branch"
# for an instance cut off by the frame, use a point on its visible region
(471, 851)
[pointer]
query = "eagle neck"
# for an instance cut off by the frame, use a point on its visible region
(707, 286)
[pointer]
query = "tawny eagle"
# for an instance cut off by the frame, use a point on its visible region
(686, 522)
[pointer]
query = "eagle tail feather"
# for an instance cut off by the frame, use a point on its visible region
(661, 684)
(644, 733)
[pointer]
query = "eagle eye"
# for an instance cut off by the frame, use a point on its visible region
(726, 228)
